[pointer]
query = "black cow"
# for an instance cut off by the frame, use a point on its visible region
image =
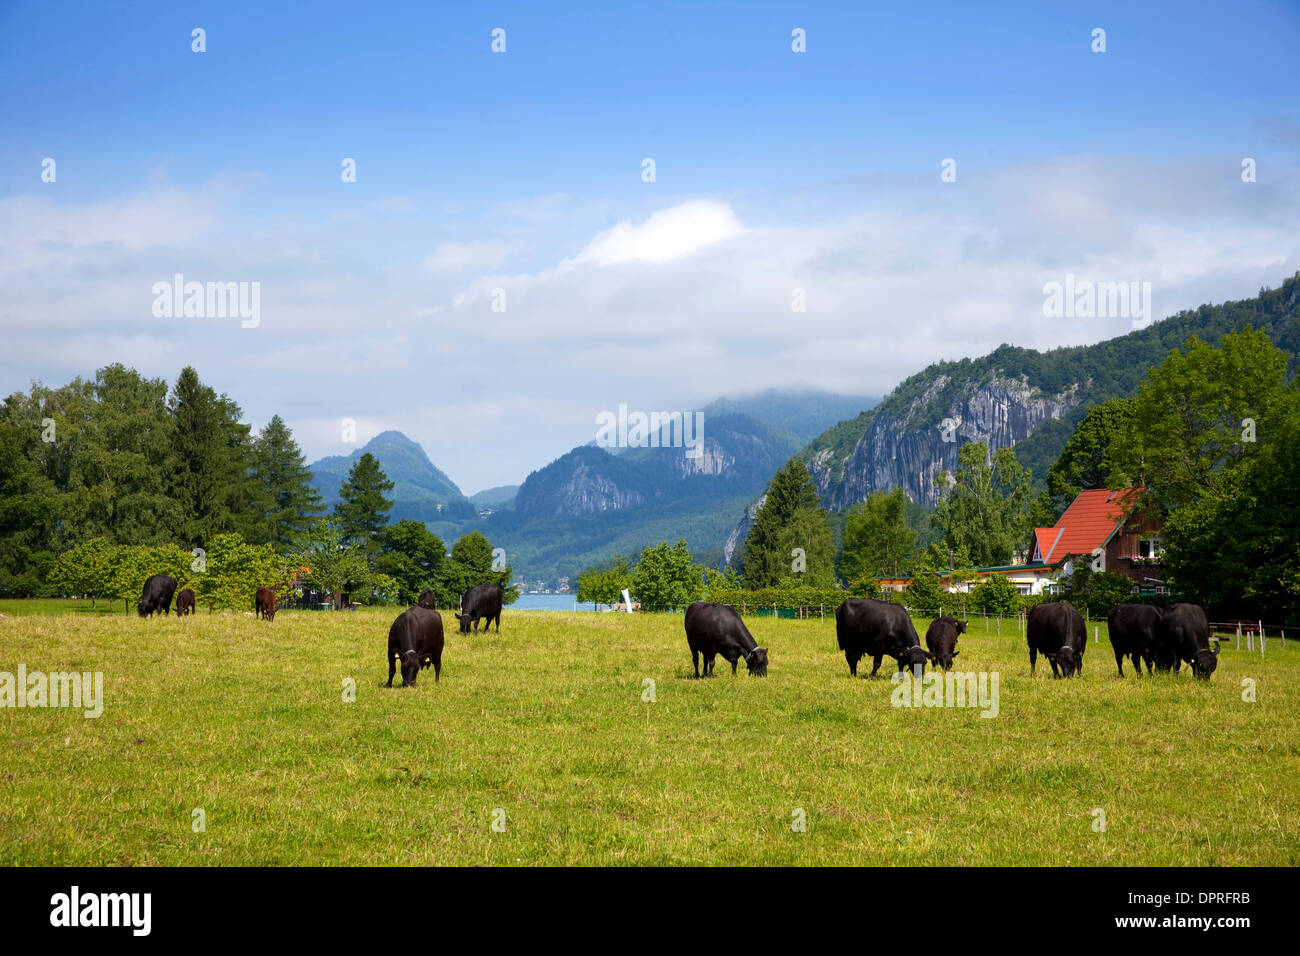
(713, 629)
(482, 601)
(185, 603)
(1185, 636)
(1135, 632)
(870, 628)
(428, 601)
(157, 595)
(1057, 631)
(416, 640)
(941, 638)
(264, 603)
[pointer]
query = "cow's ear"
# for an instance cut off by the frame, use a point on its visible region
(955, 653)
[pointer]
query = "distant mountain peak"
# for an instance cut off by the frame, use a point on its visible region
(421, 491)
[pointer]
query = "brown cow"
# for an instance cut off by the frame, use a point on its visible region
(264, 603)
(185, 603)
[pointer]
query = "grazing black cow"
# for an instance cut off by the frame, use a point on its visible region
(482, 601)
(865, 627)
(941, 638)
(157, 595)
(1135, 632)
(416, 640)
(713, 629)
(264, 603)
(1185, 636)
(185, 603)
(428, 601)
(1057, 631)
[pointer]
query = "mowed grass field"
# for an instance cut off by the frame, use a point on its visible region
(546, 723)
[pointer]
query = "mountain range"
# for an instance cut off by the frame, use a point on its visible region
(592, 503)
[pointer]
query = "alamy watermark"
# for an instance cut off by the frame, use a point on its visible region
(1085, 299)
(947, 689)
(58, 689)
(208, 300)
(626, 429)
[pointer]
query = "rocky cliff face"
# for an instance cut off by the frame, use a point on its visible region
(903, 449)
(588, 491)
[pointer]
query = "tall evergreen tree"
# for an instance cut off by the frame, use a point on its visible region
(362, 510)
(286, 502)
(210, 458)
(790, 537)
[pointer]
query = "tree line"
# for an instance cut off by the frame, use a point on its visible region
(105, 481)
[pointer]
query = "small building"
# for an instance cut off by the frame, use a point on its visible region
(1108, 529)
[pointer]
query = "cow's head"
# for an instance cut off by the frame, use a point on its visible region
(943, 660)
(961, 629)
(465, 621)
(140, 608)
(410, 664)
(1066, 660)
(756, 661)
(1206, 661)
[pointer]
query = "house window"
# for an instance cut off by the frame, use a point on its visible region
(1150, 547)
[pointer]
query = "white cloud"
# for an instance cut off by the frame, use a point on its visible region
(667, 235)
(667, 309)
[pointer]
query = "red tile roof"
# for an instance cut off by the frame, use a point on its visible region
(1086, 525)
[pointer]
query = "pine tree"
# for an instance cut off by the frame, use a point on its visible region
(285, 500)
(210, 458)
(362, 510)
(790, 538)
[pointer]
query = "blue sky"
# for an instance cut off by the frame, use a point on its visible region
(479, 171)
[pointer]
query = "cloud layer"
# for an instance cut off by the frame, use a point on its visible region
(384, 312)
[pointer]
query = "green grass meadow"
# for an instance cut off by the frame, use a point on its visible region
(546, 722)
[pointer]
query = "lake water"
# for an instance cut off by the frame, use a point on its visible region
(550, 602)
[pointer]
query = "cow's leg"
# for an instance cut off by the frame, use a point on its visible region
(877, 660)
(853, 663)
(1119, 661)
(1033, 659)
(709, 661)
(498, 622)
(392, 668)
(695, 660)
(733, 665)
(437, 668)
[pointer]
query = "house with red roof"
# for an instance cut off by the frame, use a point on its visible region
(1111, 530)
